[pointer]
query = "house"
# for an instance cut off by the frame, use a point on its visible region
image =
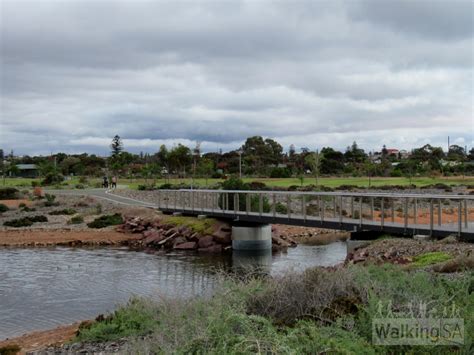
(27, 171)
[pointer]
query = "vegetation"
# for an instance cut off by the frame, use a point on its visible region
(12, 349)
(25, 221)
(50, 200)
(3, 208)
(8, 193)
(318, 311)
(76, 220)
(430, 258)
(66, 211)
(201, 226)
(105, 221)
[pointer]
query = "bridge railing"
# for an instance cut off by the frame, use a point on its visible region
(428, 211)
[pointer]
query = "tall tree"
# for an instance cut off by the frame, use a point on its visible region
(314, 161)
(116, 146)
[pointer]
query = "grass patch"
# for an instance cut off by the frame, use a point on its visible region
(66, 211)
(317, 311)
(202, 226)
(76, 220)
(105, 221)
(430, 259)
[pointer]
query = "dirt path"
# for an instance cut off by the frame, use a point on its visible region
(48, 237)
(42, 339)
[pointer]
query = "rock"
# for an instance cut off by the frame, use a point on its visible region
(193, 237)
(179, 240)
(206, 241)
(222, 237)
(216, 248)
(186, 246)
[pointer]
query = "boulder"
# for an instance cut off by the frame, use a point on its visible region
(222, 237)
(186, 246)
(206, 241)
(179, 240)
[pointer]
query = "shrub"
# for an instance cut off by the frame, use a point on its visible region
(280, 173)
(28, 209)
(8, 193)
(83, 180)
(166, 186)
(98, 208)
(149, 187)
(3, 208)
(38, 218)
(18, 223)
(258, 185)
(80, 186)
(76, 220)
(52, 178)
(105, 221)
(281, 208)
(38, 192)
(50, 200)
(35, 183)
(11, 349)
(66, 211)
(430, 258)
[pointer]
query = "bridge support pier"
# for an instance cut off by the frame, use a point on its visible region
(252, 237)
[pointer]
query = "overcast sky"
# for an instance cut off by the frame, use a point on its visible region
(308, 73)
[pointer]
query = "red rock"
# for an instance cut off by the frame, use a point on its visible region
(216, 248)
(206, 241)
(186, 246)
(179, 240)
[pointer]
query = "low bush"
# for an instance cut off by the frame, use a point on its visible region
(80, 186)
(105, 221)
(430, 258)
(146, 187)
(22, 205)
(28, 209)
(18, 223)
(52, 179)
(50, 200)
(3, 208)
(281, 208)
(66, 211)
(8, 193)
(76, 220)
(83, 180)
(11, 349)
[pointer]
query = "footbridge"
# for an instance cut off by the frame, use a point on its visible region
(435, 215)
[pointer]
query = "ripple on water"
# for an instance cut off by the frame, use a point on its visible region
(43, 288)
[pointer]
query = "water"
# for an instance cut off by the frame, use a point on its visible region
(43, 288)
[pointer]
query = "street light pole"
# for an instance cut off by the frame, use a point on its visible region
(240, 163)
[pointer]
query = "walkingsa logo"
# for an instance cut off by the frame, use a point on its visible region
(418, 326)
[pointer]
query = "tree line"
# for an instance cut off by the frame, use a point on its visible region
(257, 157)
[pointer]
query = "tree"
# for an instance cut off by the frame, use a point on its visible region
(116, 146)
(314, 161)
(205, 168)
(179, 158)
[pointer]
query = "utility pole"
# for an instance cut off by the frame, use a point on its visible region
(240, 162)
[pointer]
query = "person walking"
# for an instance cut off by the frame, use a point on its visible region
(105, 182)
(114, 182)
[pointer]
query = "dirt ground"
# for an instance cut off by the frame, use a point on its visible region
(42, 339)
(16, 238)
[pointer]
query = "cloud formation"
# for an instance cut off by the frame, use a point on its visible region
(75, 73)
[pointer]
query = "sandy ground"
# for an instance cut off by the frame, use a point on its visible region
(42, 339)
(62, 237)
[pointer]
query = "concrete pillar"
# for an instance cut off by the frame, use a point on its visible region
(252, 237)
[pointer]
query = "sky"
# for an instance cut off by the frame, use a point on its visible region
(310, 73)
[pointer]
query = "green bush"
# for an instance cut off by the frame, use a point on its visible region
(105, 221)
(8, 193)
(83, 180)
(22, 205)
(66, 211)
(18, 223)
(50, 200)
(280, 173)
(3, 208)
(76, 220)
(28, 209)
(281, 208)
(80, 186)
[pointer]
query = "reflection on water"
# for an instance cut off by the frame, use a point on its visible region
(43, 288)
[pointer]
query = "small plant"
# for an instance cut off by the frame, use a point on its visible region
(8, 193)
(38, 218)
(22, 205)
(11, 349)
(76, 220)
(3, 208)
(83, 180)
(50, 200)
(38, 192)
(430, 258)
(66, 211)
(28, 209)
(18, 223)
(98, 209)
(80, 186)
(105, 221)
(281, 208)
